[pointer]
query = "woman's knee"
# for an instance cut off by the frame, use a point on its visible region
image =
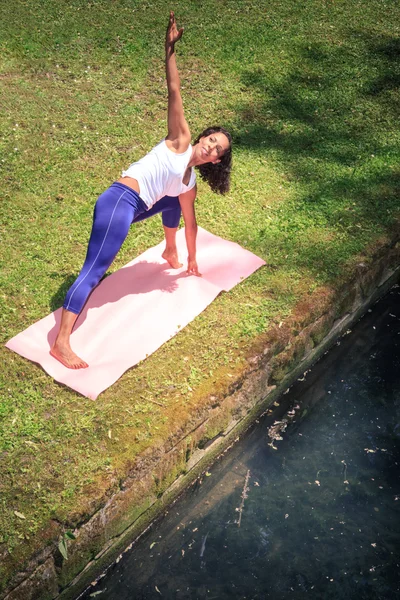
(171, 214)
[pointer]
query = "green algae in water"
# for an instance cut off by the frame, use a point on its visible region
(306, 505)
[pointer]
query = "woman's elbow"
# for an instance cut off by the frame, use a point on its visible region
(174, 91)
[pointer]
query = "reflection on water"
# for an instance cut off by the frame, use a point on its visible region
(317, 517)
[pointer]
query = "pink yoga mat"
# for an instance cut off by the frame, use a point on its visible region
(135, 310)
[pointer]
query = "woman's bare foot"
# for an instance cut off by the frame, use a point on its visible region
(171, 256)
(67, 357)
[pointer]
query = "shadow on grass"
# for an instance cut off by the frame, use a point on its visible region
(58, 298)
(331, 122)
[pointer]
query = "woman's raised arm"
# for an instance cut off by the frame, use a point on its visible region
(178, 129)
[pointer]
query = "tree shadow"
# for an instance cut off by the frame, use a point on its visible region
(331, 122)
(387, 50)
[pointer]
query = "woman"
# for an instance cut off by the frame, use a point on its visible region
(162, 181)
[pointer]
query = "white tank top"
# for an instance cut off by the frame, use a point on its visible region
(160, 173)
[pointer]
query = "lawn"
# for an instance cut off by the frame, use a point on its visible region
(310, 93)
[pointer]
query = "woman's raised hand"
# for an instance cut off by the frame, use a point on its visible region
(173, 34)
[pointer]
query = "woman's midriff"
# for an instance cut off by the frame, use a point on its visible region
(130, 182)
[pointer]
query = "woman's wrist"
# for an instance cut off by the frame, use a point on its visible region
(169, 47)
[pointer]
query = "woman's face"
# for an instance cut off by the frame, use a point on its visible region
(211, 148)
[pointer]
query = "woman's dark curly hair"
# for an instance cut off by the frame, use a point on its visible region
(217, 175)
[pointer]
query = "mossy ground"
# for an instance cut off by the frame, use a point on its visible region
(310, 93)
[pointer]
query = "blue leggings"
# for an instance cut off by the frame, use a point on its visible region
(115, 210)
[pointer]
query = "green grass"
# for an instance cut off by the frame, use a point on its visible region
(310, 93)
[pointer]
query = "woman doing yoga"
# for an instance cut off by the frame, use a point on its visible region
(163, 181)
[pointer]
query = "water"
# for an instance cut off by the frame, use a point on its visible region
(317, 517)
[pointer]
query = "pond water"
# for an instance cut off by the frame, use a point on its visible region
(314, 514)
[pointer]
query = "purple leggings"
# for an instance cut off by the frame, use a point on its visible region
(115, 210)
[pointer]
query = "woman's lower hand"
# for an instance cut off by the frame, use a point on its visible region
(193, 268)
